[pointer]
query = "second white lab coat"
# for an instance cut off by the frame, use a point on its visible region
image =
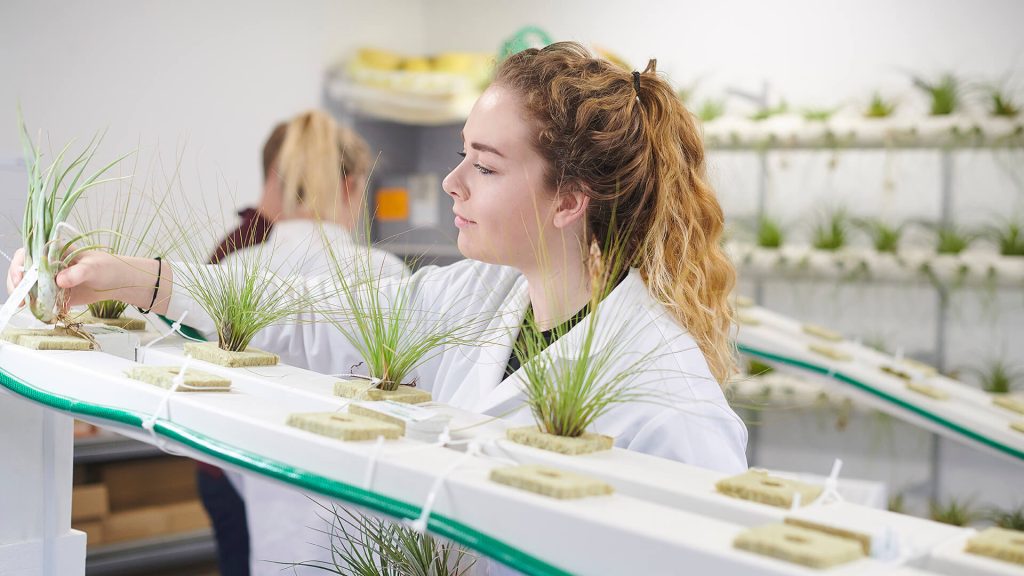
(699, 428)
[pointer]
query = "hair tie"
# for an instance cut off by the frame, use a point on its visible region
(636, 81)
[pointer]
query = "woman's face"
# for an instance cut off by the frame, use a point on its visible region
(502, 206)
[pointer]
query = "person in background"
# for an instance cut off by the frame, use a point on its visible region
(257, 222)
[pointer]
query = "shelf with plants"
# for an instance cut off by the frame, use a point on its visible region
(900, 386)
(969, 268)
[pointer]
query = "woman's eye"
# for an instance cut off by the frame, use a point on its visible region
(483, 170)
(463, 154)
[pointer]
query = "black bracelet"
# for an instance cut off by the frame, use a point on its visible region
(156, 288)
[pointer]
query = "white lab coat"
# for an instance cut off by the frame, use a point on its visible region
(699, 429)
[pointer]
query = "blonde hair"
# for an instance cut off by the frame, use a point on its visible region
(640, 157)
(316, 156)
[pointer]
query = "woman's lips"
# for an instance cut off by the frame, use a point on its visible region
(461, 222)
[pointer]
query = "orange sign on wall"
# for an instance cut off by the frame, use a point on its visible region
(392, 204)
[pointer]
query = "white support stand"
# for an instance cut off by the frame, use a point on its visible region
(36, 451)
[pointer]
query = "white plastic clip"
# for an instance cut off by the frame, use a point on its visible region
(420, 524)
(14, 301)
(371, 466)
(830, 493)
(149, 424)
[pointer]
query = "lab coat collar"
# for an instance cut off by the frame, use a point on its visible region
(618, 307)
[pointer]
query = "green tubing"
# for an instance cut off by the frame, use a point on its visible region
(804, 365)
(437, 524)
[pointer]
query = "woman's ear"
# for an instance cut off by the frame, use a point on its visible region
(571, 204)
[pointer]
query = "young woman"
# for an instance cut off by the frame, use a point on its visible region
(558, 148)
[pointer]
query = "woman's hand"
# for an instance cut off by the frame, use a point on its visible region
(96, 275)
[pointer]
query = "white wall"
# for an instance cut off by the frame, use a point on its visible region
(816, 52)
(215, 76)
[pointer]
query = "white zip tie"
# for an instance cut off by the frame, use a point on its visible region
(149, 424)
(13, 303)
(420, 524)
(175, 327)
(371, 466)
(830, 493)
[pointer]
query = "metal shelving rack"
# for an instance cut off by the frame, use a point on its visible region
(138, 556)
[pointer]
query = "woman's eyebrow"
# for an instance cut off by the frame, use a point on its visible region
(486, 148)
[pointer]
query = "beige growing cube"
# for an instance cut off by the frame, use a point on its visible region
(1000, 543)
(759, 486)
(195, 380)
(211, 352)
(927, 390)
(123, 322)
(344, 426)
(1014, 403)
(829, 352)
(585, 444)
(364, 390)
(799, 545)
(56, 338)
(359, 410)
(549, 481)
(822, 332)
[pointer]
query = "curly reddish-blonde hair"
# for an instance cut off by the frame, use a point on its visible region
(638, 153)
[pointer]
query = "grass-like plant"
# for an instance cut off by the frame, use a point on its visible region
(955, 512)
(880, 107)
(1002, 104)
(769, 111)
(711, 109)
(770, 233)
(945, 93)
(897, 503)
(52, 193)
(831, 231)
(385, 319)
(1008, 234)
(571, 382)
(364, 545)
(885, 237)
(997, 376)
(242, 294)
(819, 114)
(951, 238)
(1011, 519)
(757, 368)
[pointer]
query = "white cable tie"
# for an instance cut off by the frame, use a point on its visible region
(18, 295)
(420, 524)
(830, 493)
(371, 466)
(175, 328)
(149, 424)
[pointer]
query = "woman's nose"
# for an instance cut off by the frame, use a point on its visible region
(452, 186)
